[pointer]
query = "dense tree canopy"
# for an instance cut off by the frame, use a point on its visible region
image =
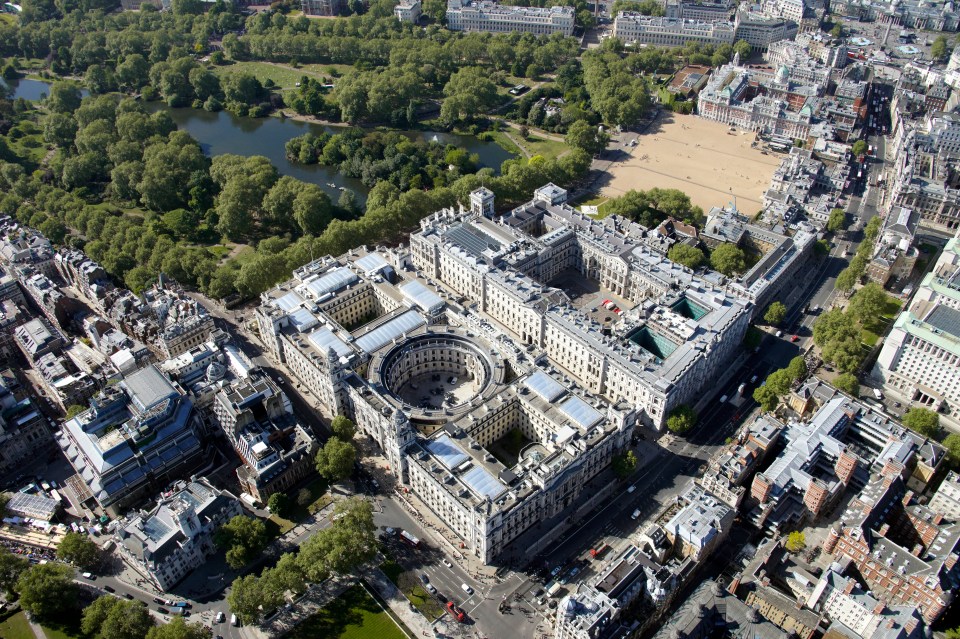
(79, 550)
(728, 259)
(335, 459)
(923, 420)
(681, 419)
(243, 538)
(775, 313)
(47, 590)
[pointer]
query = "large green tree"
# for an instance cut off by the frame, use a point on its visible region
(469, 93)
(178, 628)
(848, 383)
(343, 428)
(335, 459)
(589, 137)
(47, 590)
(243, 538)
(836, 220)
(79, 550)
(11, 567)
(775, 314)
(689, 256)
(922, 420)
(681, 419)
(624, 464)
(728, 259)
(868, 303)
(111, 618)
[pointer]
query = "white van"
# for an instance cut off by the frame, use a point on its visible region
(467, 589)
(233, 620)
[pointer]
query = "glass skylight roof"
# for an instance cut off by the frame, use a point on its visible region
(387, 332)
(446, 452)
(289, 301)
(421, 296)
(332, 281)
(580, 412)
(482, 482)
(371, 263)
(544, 386)
(303, 320)
(324, 338)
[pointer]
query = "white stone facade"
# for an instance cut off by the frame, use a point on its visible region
(483, 15)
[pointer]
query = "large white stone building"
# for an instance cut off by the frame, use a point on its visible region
(920, 359)
(444, 353)
(483, 15)
(632, 27)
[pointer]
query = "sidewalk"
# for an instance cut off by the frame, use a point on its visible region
(317, 596)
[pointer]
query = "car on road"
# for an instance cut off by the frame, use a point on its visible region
(109, 588)
(795, 338)
(431, 589)
(446, 562)
(88, 575)
(159, 600)
(635, 515)
(127, 595)
(631, 489)
(779, 333)
(467, 589)
(556, 571)
(220, 617)
(424, 578)
(163, 611)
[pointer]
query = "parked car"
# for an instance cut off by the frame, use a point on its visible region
(446, 562)
(163, 611)
(635, 515)
(431, 589)
(109, 588)
(220, 617)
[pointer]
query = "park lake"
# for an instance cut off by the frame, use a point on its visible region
(224, 132)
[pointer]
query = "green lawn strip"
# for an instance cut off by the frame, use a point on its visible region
(409, 584)
(506, 142)
(16, 627)
(353, 615)
(319, 499)
(63, 631)
(219, 251)
(283, 526)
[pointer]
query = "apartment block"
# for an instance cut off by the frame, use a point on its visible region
(257, 419)
(905, 552)
(946, 500)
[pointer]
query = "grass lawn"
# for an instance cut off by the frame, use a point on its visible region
(409, 584)
(63, 632)
(283, 77)
(16, 627)
(219, 251)
(324, 70)
(354, 615)
(536, 145)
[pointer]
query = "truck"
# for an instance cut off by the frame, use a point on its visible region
(409, 539)
(598, 553)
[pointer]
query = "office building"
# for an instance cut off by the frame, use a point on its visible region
(136, 437)
(484, 15)
(632, 27)
(441, 351)
(168, 542)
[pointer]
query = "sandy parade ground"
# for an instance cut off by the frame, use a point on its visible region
(704, 159)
